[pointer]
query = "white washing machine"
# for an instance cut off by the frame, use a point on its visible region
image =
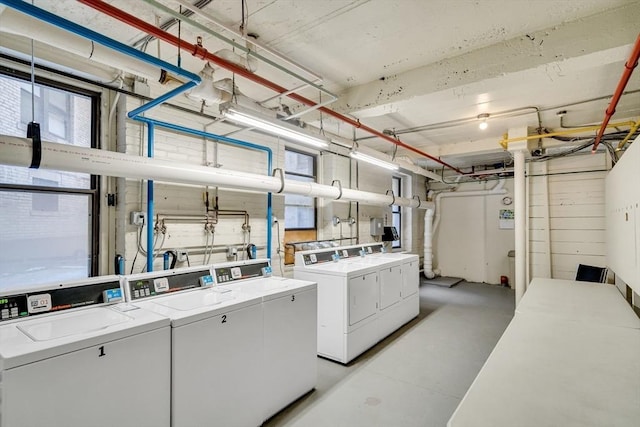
(70, 355)
(290, 325)
(348, 303)
(216, 346)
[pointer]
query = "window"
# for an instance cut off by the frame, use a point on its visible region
(52, 110)
(299, 211)
(48, 219)
(44, 201)
(396, 211)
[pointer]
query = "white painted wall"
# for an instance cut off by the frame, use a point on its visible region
(566, 224)
(566, 215)
(469, 242)
(623, 222)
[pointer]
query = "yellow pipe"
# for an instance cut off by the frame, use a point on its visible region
(633, 130)
(505, 141)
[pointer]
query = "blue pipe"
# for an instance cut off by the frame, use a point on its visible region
(72, 27)
(150, 199)
(43, 15)
(249, 145)
(163, 98)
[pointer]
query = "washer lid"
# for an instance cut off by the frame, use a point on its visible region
(192, 300)
(84, 321)
(339, 268)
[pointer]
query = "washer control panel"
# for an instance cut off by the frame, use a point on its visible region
(150, 285)
(59, 297)
(234, 273)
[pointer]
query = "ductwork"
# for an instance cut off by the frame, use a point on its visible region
(210, 92)
(14, 22)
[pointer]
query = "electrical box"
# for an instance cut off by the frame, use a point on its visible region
(377, 227)
(138, 218)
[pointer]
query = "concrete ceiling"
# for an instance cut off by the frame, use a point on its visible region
(436, 64)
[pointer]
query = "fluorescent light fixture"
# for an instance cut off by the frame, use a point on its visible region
(374, 160)
(483, 124)
(286, 130)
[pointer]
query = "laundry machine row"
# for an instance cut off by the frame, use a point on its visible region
(71, 355)
(364, 295)
(243, 344)
(224, 346)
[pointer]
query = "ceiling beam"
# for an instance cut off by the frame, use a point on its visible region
(607, 30)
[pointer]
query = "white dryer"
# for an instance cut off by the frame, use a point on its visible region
(216, 346)
(348, 303)
(290, 325)
(393, 313)
(410, 267)
(70, 355)
(389, 271)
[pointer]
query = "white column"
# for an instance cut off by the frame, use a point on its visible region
(519, 149)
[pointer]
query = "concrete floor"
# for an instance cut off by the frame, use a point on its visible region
(416, 376)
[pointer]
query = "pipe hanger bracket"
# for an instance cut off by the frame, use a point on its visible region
(416, 197)
(281, 176)
(392, 195)
(339, 188)
(33, 132)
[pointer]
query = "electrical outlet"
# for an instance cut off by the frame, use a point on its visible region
(182, 255)
(138, 218)
(231, 252)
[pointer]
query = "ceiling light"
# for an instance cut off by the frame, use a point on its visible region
(374, 160)
(483, 124)
(257, 120)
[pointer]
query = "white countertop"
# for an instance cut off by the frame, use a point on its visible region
(578, 301)
(570, 357)
(554, 372)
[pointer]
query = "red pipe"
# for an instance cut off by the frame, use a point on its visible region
(626, 74)
(202, 53)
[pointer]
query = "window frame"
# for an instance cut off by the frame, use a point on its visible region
(314, 158)
(94, 190)
(396, 211)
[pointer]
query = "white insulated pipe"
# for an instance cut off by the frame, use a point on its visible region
(247, 62)
(520, 208)
(14, 22)
(16, 151)
(427, 268)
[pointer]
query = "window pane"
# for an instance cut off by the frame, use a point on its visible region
(44, 202)
(299, 217)
(58, 123)
(300, 211)
(39, 247)
(299, 163)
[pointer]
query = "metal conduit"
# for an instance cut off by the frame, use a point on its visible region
(202, 53)
(626, 74)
